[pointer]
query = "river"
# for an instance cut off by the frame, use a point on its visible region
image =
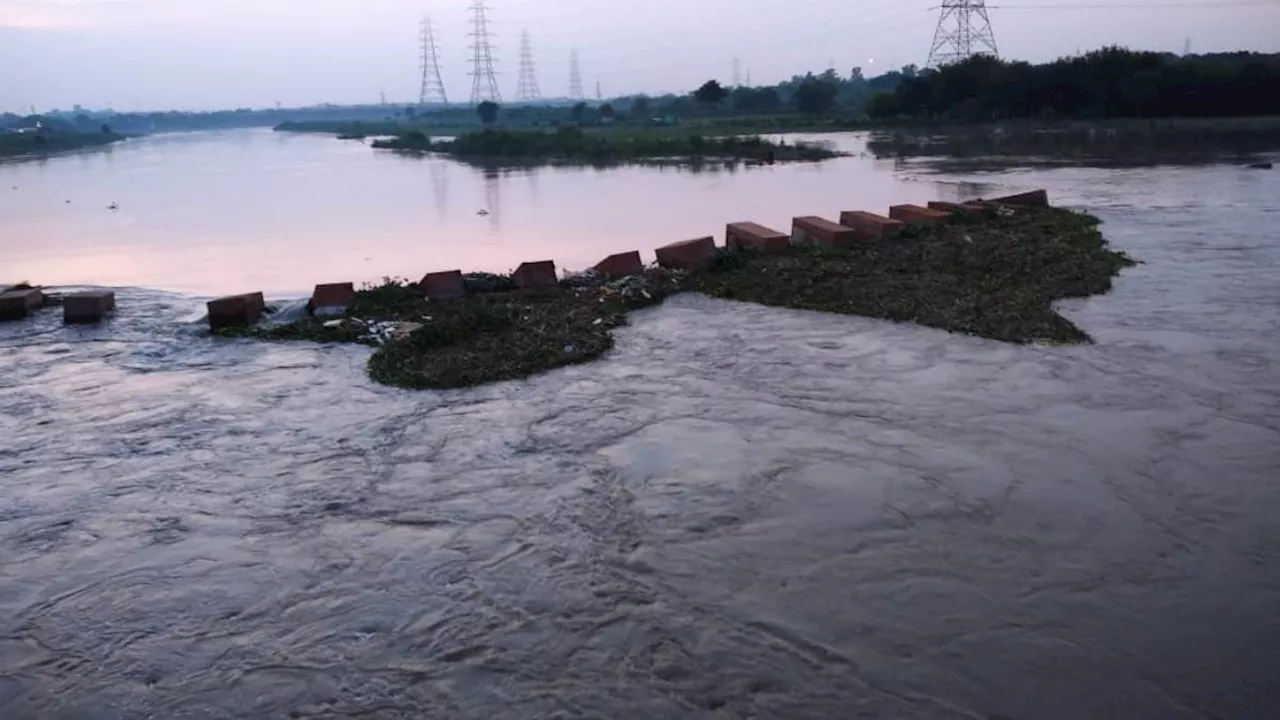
(741, 512)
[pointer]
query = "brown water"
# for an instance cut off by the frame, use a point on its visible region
(742, 512)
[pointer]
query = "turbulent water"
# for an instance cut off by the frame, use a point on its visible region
(742, 512)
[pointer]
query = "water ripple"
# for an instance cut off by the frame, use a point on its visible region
(741, 512)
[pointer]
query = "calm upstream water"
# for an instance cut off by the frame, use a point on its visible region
(256, 210)
(742, 512)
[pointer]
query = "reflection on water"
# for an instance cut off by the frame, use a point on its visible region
(231, 211)
(742, 512)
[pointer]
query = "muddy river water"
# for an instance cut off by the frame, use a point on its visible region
(742, 512)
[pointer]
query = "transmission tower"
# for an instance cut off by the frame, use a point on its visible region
(527, 88)
(575, 78)
(599, 92)
(737, 73)
(964, 30)
(432, 86)
(484, 79)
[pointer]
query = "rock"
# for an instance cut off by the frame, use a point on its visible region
(1259, 166)
(753, 236)
(445, 285)
(235, 310)
(88, 307)
(869, 225)
(813, 230)
(19, 302)
(621, 265)
(916, 215)
(534, 275)
(689, 255)
(332, 299)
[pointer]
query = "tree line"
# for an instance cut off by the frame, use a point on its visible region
(1109, 83)
(823, 93)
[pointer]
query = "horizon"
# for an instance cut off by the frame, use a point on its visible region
(182, 55)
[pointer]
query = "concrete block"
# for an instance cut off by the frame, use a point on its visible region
(256, 300)
(445, 285)
(532, 275)
(88, 307)
(812, 230)
(751, 236)
(17, 304)
(968, 208)
(870, 226)
(331, 299)
(235, 310)
(916, 215)
(692, 255)
(1034, 198)
(621, 265)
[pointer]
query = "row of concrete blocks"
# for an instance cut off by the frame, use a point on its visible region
(855, 227)
(90, 306)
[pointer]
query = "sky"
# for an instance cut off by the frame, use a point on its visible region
(208, 54)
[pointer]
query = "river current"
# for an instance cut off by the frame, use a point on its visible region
(741, 512)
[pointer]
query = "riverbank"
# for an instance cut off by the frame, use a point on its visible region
(994, 277)
(359, 129)
(35, 144)
(1139, 140)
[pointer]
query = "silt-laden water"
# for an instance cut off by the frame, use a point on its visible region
(742, 512)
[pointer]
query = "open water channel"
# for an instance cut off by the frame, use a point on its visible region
(742, 512)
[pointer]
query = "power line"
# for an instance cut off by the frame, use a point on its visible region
(432, 86)
(527, 87)
(1167, 4)
(964, 30)
(575, 78)
(484, 79)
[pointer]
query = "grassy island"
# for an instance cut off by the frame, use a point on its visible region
(991, 277)
(45, 143)
(574, 145)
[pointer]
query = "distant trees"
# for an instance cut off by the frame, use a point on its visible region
(579, 112)
(488, 112)
(816, 96)
(883, 105)
(1108, 83)
(607, 112)
(641, 108)
(755, 100)
(711, 93)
